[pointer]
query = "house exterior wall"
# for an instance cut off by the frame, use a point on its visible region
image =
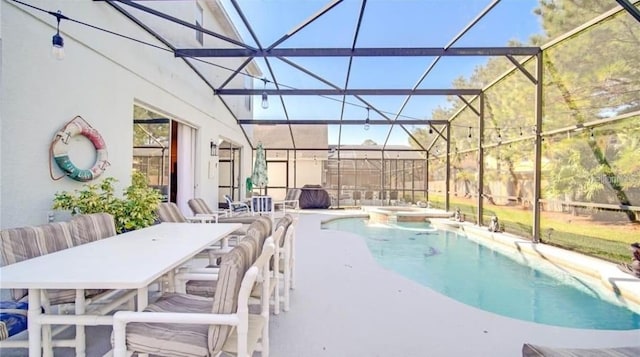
(309, 172)
(100, 79)
(1, 106)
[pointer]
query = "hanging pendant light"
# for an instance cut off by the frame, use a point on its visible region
(265, 99)
(366, 121)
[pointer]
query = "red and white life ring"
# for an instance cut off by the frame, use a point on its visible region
(60, 150)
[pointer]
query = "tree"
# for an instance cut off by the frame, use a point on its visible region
(583, 82)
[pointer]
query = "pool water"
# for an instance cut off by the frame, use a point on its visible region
(474, 274)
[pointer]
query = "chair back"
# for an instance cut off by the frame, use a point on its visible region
(199, 206)
(169, 212)
(233, 267)
(87, 228)
(289, 237)
(293, 194)
(264, 225)
(284, 222)
(255, 239)
(18, 244)
(236, 206)
(278, 236)
(262, 204)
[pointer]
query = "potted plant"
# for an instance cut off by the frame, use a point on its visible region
(136, 209)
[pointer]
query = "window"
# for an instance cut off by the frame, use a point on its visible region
(199, 20)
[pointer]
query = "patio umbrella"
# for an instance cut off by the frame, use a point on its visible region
(259, 176)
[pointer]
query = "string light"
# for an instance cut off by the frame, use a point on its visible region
(469, 136)
(366, 121)
(57, 42)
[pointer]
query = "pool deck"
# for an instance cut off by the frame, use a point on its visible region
(346, 304)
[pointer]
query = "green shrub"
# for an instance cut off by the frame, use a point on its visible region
(137, 209)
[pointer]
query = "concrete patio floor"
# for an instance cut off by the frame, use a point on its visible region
(345, 304)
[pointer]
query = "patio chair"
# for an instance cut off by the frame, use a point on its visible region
(199, 207)
(19, 244)
(262, 205)
(204, 283)
(286, 259)
(291, 200)
(236, 206)
(86, 228)
(357, 197)
(169, 212)
(393, 197)
(287, 264)
(368, 197)
(187, 325)
(198, 281)
(531, 350)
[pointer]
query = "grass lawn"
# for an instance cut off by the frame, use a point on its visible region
(606, 240)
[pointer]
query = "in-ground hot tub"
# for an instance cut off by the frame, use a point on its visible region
(404, 214)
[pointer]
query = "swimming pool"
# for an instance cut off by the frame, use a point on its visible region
(476, 275)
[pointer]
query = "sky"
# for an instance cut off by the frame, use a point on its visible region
(386, 23)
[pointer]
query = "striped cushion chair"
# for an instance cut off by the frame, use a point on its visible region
(201, 325)
(287, 264)
(264, 224)
(529, 350)
(169, 212)
(199, 206)
(86, 228)
(284, 222)
(18, 244)
(207, 287)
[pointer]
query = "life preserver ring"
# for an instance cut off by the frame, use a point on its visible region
(60, 150)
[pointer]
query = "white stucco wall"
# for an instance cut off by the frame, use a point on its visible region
(1, 105)
(100, 79)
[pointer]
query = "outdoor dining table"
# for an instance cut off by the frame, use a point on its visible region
(132, 260)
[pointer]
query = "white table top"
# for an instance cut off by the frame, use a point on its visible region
(127, 261)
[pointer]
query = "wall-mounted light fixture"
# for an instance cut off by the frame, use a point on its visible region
(265, 99)
(214, 148)
(57, 42)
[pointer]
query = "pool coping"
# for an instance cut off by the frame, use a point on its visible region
(625, 286)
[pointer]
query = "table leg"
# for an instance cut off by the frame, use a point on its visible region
(143, 301)
(171, 283)
(47, 340)
(143, 298)
(35, 334)
(81, 343)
